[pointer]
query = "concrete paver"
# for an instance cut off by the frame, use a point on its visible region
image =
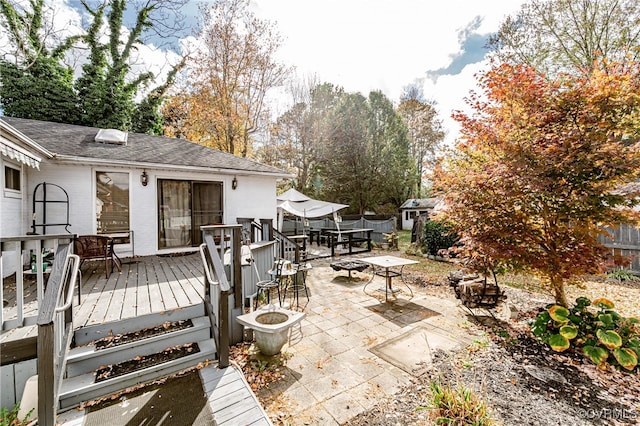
(356, 348)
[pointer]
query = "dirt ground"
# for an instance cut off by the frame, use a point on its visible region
(521, 379)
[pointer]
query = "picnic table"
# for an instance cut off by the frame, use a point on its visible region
(354, 236)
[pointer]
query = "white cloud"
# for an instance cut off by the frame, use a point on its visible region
(361, 45)
(366, 45)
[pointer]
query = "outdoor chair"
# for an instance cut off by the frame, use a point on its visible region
(297, 283)
(265, 286)
(97, 247)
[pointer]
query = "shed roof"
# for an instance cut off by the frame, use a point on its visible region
(420, 203)
(77, 143)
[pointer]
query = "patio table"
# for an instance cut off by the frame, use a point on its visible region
(385, 263)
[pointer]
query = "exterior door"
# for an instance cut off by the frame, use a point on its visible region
(207, 207)
(183, 207)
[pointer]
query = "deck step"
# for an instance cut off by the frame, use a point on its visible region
(81, 388)
(85, 359)
(88, 334)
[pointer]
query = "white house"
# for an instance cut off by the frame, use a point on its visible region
(414, 207)
(60, 178)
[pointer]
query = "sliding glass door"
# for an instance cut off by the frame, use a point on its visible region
(183, 207)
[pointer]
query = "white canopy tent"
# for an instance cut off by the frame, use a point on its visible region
(300, 205)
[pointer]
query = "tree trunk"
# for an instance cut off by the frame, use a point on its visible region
(557, 284)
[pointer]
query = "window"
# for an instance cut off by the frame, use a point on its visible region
(184, 206)
(12, 179)
(112, 202)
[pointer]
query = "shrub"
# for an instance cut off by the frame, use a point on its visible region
(10, 417)
(605, 337)
(622, 275)
(457, 405)
(437, 236)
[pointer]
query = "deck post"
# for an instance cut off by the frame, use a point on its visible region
(50, 357)
(47, 401)
(237, 267)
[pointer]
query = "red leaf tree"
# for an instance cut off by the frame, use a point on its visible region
(537, 171)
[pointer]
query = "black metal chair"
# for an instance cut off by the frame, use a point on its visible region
(265, 286)
(298, 283)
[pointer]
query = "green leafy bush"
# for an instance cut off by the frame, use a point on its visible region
(605, 337)
(437, 236)
(622, 275)
(457, 405)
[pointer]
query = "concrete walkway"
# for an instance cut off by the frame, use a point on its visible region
(353, 349)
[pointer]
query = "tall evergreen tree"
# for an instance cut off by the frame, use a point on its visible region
(34, 81)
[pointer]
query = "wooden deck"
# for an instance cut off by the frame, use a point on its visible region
(231, 399)
(150, 284)
(146, 285)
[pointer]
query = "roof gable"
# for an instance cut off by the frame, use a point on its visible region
(420, 203)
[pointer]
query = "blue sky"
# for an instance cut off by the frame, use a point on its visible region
(365, 45)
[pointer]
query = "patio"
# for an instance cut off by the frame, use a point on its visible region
(350, 349)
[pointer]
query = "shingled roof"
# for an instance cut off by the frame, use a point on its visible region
(71, 142)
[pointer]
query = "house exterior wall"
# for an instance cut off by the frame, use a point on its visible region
(12, 203)
(254, 197)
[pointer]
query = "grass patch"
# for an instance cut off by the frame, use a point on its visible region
(10, 417)
(456, 405)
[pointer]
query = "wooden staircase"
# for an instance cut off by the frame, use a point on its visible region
(86, 358)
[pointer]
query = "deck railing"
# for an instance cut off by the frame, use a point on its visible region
(55, 331)
(289, 250)
(12, 255)
(285, 249)
(218, 240)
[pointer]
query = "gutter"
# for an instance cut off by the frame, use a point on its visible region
(68, 159)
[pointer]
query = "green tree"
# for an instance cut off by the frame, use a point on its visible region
(538, 170)
(556, 36)
(108, 86)
(346, 163)
(393, 168)
(34, 82)
(344, 147)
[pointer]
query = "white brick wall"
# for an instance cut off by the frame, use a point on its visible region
(255, 197)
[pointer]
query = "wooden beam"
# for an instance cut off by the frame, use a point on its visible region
(18, 350)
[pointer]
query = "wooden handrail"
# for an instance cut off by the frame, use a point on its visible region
(55, 331)
(217, 281)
